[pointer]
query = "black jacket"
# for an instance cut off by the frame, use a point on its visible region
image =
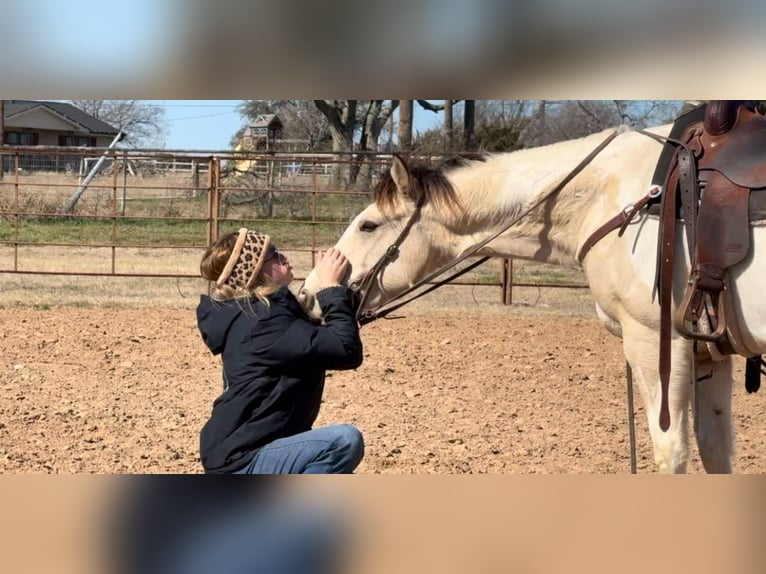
(274, 361)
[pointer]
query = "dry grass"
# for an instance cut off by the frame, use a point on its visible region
(46, 291)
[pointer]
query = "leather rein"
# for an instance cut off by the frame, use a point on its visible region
(361, 287)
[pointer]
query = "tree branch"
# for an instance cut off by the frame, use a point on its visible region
(426, 105)
(331, 112)
(589, 113)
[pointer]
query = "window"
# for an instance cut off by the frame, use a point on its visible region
(21, 138)
(76, 141)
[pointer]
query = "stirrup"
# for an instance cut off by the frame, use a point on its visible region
(689, 312)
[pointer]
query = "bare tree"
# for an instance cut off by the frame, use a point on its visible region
(576, 118)
(405, 125)
(345, 126)
(469, 119)
(301, 120)
(500, 124)
(345, 123)
(375, 119)
(448, 126)
(142, 123)
(352, 125)
(643, 113)
(341, 115)
(530, 134)
(505, 125)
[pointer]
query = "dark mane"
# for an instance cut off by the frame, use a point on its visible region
(461, 160)
(429, 185)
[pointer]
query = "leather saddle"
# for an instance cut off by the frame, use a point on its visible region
(716, 166)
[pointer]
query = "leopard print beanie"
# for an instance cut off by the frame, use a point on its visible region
(245, 261)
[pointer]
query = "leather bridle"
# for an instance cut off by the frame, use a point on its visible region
(360, 287)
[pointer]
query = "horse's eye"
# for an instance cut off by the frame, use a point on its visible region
(368, 226)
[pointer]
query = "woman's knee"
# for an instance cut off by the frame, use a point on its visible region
(351, 441)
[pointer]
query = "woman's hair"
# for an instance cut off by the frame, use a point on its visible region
(214, 263)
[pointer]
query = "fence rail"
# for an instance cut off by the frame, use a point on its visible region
(141, 200)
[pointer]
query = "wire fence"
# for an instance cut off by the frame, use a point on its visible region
(86, 212)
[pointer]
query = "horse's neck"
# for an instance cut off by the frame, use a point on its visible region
(498, 191)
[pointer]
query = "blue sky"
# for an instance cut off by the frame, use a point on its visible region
(209, 124)
(200, 124)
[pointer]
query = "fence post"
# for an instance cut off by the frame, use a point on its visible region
(17, 208)
(313, 212)
(114, 213)
(124, 182)
(507, 281)
(216, 197)
(211, 187)
(195, 178)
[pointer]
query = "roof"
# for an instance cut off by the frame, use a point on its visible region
(70, 112)
(270, 120)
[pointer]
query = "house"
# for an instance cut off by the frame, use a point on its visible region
(53, 124)
(32, 123)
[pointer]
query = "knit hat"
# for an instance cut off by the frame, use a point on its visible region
(246, 260)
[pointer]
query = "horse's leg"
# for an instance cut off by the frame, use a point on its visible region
(713, 425)
(640, 344)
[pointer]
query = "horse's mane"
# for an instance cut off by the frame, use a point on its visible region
(429, 185)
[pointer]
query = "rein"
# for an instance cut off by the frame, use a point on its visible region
(362, 285)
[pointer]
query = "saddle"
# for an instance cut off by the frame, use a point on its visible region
(713, 161)
(717, 164)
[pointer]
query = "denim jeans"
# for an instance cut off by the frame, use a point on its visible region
(262, 538)
(336, 449)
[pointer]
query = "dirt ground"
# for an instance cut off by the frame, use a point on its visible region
(480, 389)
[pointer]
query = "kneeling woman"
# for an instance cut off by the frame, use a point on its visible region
(274, 361)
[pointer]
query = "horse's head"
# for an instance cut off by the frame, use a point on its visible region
(413, 209)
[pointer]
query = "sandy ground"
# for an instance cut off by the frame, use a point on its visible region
(483, 388)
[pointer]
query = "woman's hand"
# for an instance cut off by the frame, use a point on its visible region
(330, 268)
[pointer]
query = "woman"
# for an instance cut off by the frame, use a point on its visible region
(274, 362)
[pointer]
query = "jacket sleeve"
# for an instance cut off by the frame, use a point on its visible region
(334, 345)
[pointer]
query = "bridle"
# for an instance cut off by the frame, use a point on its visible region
(360, 287)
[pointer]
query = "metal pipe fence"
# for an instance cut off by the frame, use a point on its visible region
(138, 200)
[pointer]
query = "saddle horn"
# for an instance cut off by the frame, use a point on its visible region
(720, 117)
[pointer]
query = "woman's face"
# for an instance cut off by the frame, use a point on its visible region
(278, 267)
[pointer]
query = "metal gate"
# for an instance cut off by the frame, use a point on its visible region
(100, 205)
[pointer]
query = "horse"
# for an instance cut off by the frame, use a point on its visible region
(425, 217)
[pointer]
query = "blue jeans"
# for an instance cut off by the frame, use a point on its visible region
(262, 538)
(336, 449)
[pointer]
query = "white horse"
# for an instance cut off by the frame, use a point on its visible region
(463, 205)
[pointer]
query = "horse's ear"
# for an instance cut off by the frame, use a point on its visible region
(400, 174)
